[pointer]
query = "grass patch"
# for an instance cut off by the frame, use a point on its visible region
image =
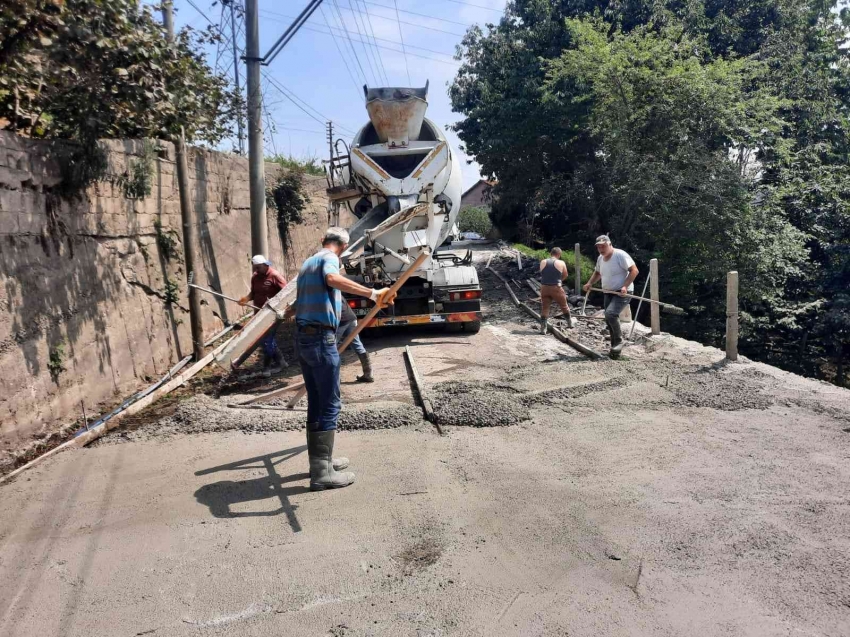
(587, 265)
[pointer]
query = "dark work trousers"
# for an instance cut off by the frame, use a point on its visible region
(320, 367)
(614, 304)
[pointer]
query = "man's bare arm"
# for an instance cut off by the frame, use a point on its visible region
(633, 272)
(593, 279)
(565, 272)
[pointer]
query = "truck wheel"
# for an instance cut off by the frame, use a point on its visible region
(473, 327)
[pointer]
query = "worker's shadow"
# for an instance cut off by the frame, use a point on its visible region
(221, 496)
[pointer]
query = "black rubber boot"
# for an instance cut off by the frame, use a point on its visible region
(320, 446)
(338, 463)
(367, 369)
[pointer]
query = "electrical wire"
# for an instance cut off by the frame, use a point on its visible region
(420, 15)
(477, 6)
(375, 43)
(351, 44)
(366, 49)
(414, 24)
(403, 52)
(344, 58)
(282, 89)
(292, 97)
(332, 29)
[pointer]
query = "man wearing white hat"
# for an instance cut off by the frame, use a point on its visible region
(266, 282)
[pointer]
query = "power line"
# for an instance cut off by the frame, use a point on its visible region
(332, 29)
(477, 6)
(366, 49)
(350, 43)
(420, 15)
(413, 24)
(374, 41)
(403, 52)
(344, 60)
(279, 86)
(386, 48)
(292, 97)
(203, 15)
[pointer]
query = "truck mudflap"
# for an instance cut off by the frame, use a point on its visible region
(425, 319)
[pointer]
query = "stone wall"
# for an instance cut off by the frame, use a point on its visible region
(93, 302)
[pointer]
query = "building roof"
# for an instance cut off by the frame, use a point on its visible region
(486, 182)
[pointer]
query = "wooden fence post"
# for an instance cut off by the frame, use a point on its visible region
(732, 316)
(654, 310)
(578, 269)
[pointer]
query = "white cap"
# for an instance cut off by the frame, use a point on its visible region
(259, 259)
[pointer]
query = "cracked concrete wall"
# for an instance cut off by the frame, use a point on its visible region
(85, 279)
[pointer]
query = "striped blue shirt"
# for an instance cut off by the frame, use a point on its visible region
(317, 304)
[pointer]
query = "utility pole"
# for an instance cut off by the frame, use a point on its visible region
(233, 33)
(168, 19)
(256, 160)
(189, 240)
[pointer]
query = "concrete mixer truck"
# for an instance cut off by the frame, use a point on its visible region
(402, 180)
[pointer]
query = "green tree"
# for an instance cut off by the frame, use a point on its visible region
(89, 69)
(475, 219)
(709, 134)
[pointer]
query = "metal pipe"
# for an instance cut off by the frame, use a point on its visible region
(214, 293)
(642, 294)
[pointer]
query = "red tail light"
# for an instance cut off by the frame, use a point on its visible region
(466, 295)
(353, 304)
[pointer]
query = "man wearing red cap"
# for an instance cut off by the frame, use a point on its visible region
(266, 282)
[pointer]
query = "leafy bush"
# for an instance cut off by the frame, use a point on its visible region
(309, 165)
(587, 265)
(286, 195)
(475, 219)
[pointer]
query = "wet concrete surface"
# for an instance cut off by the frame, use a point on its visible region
(665, 493)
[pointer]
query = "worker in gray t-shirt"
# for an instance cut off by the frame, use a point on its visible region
(618, 272)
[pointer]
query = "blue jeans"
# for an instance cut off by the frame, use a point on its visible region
(320, 367)
(269, 344)
(342, 333)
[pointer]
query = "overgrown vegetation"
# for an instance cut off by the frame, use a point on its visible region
(166, 242)
(137, 181)
(308, 165)
(711, 135)
(287, 197)
(171, 293)
(475, 219)
(85, 70)
(567, 257)
(56, 360)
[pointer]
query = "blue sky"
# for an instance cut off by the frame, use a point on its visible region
(329, 85)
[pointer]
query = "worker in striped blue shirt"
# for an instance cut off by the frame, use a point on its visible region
(317, 312)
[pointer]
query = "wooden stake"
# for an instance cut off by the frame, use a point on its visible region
(654, 310)
(577, 272)
(732, 316)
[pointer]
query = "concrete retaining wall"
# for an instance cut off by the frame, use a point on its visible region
(85, 279)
